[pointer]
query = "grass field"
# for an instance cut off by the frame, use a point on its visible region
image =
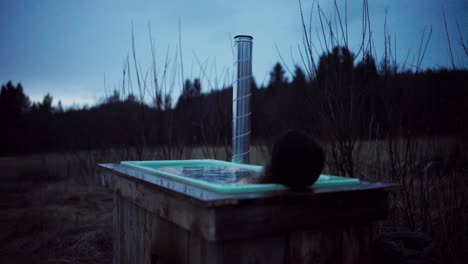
(53, 211)
(48, 218)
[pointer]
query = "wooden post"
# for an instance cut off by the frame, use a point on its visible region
(171, 222)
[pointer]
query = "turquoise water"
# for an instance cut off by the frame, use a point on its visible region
(221, 176)
(214, 173)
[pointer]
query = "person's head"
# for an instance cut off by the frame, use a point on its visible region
(296, 161)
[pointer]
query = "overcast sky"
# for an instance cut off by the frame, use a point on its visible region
(67, 47)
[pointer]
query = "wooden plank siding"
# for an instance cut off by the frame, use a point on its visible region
(164, 242)
(153, 224)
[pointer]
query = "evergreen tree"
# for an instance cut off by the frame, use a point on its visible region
(114, 98)
(196, 91)
(299, 79)
(336, 67)
(366, 68)
(13, 101)
(59, 107)
(253, 84)
(13, 107)
(46, 105)
(277, 78)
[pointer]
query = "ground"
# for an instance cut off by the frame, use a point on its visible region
(52, 210)
(46, 218)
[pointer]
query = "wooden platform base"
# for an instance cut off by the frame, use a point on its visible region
(143, 237)
(168, 222)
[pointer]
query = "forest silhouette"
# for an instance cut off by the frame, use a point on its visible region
(360, 100)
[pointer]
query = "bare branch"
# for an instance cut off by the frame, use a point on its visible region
(282, 60)
(421, 50)
(181, 59)
(203, 69)
(448, 39)
(307, 36)
(341, 24)
(322, 26)
(461, 41)
(137, 71)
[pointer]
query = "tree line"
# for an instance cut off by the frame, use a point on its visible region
(344, 99)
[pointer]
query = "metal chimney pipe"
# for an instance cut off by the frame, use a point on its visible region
(241, 98)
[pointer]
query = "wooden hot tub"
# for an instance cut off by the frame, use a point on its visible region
(159, 219)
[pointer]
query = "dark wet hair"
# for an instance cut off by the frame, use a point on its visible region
(296, 161)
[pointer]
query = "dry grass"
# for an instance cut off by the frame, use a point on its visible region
(48, 218)
(52, 210)
(434, 199)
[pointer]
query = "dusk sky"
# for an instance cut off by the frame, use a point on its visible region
(66, 47)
